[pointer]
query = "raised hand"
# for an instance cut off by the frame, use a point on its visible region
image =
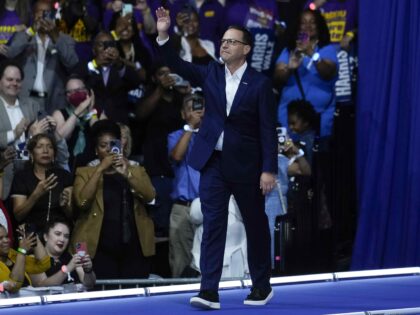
(21, 127)
(163, 22)
(6, 157)
(65, 198)
(39, 126)
(46, 185)
(120, 164)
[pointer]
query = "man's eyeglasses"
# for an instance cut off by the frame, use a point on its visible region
(231, 42)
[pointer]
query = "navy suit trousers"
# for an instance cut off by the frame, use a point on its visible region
(215, 192)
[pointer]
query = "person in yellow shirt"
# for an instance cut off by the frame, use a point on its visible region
(16, 265)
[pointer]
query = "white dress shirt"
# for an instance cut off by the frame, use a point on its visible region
(232, 84)
(15, 115)
(39, 84)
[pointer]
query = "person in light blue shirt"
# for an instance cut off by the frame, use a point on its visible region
(307, 69)
(185, 185)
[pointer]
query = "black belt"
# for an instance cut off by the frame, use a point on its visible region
(34, 93)
(182, 203)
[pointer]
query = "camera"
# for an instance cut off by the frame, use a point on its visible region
(115, 146)
(43, 114)
(283, 138)
(281, 135)
(127, 9)
(198, 103)
(81, 249)
(179, 81)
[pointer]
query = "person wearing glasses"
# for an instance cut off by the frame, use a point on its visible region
(235, 151)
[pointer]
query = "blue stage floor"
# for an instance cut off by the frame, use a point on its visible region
(315, 298)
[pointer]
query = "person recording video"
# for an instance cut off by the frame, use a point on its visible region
(185, 184)
(43, 190)
(112, 218)
(46, 55)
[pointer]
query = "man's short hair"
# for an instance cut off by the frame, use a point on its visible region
(247, 37)
(10, 63)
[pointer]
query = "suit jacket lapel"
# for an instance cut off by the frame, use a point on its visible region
(99, 195)
(5, 122)
(25, 109)
(221, 86)
(243, 86)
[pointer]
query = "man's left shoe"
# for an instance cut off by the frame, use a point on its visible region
(259, 296)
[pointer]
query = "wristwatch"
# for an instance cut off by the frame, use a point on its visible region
(315, 57)
(189, 129)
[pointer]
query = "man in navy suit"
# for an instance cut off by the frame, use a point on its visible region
(235, 151)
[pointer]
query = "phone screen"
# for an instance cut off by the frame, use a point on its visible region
(127, 9)
(116, 146)
(81, 249)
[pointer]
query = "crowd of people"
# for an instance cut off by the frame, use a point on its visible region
(97, 131)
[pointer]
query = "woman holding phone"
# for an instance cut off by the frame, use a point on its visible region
(16, 266)
(112, 219)
(41, 191)
(65, 268)
(307, 69)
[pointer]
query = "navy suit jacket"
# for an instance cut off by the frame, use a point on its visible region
(250, 142)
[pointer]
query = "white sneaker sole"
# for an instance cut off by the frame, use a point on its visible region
(262, 302)
(204, 304)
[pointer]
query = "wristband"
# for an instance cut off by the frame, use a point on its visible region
(115, 35)
(65, 269)
(22, 251)
(188, 128)
(93, 66)
(30, 31)
(300, 153)
(350, 34)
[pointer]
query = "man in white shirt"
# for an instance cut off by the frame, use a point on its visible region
(235, 151)
(47, 57)
(18, 116)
